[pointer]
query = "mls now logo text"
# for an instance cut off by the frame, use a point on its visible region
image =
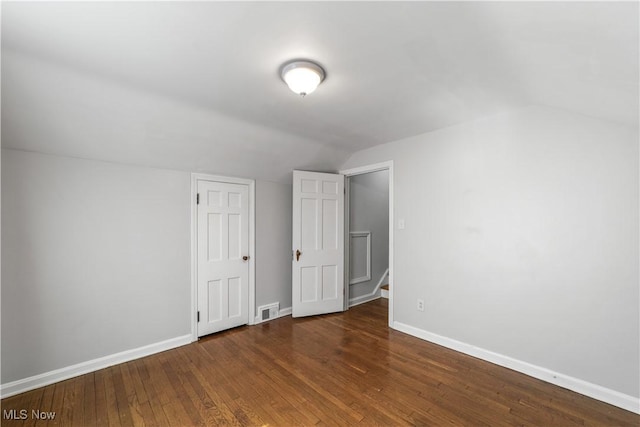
(23, 414)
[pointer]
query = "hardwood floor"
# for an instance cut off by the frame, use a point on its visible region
(338, 369)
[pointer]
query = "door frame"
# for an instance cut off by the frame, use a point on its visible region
(388, 165)
(251, 184)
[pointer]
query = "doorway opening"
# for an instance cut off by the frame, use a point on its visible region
(369, 234)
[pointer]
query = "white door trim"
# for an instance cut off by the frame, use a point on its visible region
(359, 171)
(195, 177)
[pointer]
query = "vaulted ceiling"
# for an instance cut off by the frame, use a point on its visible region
(175, 84)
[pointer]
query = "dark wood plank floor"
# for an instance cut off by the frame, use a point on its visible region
(338, 369)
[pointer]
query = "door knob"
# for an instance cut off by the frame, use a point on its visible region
(244, 258)
(298, 253)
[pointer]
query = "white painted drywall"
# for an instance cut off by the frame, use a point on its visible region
(522, 238)
(50, 108)
(273, 243)
(369, 211)
(395, 69)
(95, 260)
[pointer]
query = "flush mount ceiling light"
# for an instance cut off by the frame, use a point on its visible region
(302, 77)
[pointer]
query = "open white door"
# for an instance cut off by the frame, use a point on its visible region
(318, 243)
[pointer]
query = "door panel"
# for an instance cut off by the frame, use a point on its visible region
(318, 229)
(223, 240)
(330, 224)
(214, 245)
(214, 294)
(329, 282)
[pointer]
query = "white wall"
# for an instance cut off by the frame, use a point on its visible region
(369, 211)
(95, 260)
(522, 238)
(50, 108)
(273, 243)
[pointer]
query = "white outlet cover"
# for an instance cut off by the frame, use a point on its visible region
(401, 224)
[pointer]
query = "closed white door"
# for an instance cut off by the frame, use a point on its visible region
(223, 256)
(318, 243)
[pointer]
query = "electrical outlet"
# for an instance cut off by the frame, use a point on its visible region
(420, 305)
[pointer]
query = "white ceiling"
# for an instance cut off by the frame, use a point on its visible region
(394, 69)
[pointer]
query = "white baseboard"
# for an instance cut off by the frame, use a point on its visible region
(384, 293)
(595, 391)
(284, 312)
(281, 313)
(373, 295)
(41, 380)
(362, 299)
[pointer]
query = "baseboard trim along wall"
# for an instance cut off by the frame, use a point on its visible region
(41, 380)
(281, 313)
(595, 391)
(370, 296)
(362, 299)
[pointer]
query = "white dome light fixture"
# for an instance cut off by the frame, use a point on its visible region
(302, 77)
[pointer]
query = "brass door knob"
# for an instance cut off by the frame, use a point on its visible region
(244, 258)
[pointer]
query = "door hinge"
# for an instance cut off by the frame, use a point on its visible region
(198, 317)
(197, 198)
